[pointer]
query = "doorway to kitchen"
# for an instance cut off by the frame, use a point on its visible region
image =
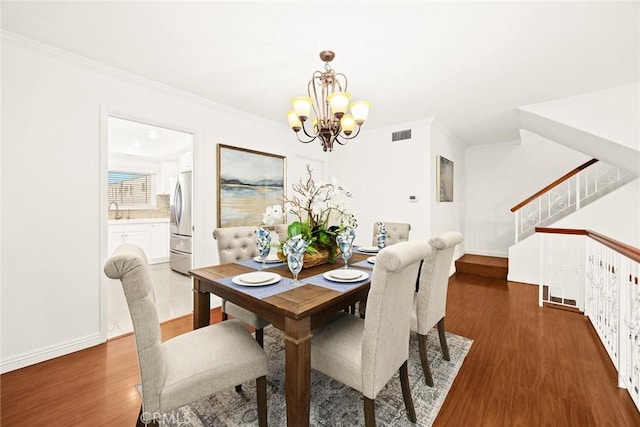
(149, 204)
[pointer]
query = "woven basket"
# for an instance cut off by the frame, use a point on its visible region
(311, 260)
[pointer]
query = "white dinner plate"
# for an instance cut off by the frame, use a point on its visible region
(372, 249)
(256, 278)
(346, 275)
(270, 259)
(371, 260)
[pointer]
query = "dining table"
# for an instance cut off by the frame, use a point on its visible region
(295, 309)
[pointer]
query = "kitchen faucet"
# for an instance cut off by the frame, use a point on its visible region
(118, 216)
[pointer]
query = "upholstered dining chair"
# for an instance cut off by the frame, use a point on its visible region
(430, 301)
(191, 366)
(365, 353)
(237, 244)
(396, 232)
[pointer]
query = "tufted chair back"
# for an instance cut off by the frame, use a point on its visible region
(129, 264)
(431, 299)
(396, 232)
(236, 243)
(385, 343)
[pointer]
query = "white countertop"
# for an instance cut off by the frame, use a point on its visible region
(138, 221)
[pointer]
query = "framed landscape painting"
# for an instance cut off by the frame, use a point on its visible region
(444, 179)
(248, 182)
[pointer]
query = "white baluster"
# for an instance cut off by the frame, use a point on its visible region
(578, 192)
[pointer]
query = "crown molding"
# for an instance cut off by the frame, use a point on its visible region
(81, 61)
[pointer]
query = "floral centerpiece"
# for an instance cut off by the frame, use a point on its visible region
(320, 216)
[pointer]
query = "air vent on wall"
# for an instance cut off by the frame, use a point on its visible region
(401, 135)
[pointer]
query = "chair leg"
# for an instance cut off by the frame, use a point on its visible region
(422, 345)
(369, 412)
(261, 388)
(406, 392)
(260, 337)
(260, 340)
(225, 316)
(443, 340)
(139, 423)
(362, 308)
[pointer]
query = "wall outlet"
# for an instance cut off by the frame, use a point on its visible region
(413, 198)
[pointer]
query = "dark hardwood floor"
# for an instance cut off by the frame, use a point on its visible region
(528, 366)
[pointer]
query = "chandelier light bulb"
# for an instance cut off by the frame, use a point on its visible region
(339, 102)
(294, 121)
(302, 106)
(360, 110)
(348, 124)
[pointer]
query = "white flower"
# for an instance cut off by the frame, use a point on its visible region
(272, 215)
(277, 211)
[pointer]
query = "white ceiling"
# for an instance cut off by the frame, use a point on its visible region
(469, 64)
(144, 140)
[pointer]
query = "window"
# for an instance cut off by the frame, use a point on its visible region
(131, 190)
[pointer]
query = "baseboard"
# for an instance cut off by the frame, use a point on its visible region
(47, 353)
(522, 279)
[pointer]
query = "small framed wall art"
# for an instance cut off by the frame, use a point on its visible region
(444, 179)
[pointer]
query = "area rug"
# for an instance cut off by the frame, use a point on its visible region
(332, 403)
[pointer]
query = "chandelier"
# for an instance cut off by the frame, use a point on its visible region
(329, 99)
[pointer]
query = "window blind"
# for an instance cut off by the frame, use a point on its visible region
(130, 189)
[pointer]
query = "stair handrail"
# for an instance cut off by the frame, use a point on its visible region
(629, 251)
(555, 183)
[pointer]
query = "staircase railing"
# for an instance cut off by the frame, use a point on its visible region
(567, 194)
(598, 275)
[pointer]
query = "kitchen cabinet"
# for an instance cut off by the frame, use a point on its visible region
(159, 241)
(152, 236)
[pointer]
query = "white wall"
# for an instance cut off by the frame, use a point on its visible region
(53, 216)
(499, 176)
(616, 215)
(382, 175)
(448, 216)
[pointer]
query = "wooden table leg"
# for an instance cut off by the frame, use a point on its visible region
(201, 306)
(298, 371)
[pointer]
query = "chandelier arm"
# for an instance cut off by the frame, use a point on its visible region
(312, 88)
(347, 138)
(303, 141)
(340, 88)
(313, 135)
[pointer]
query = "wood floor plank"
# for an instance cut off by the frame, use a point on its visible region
(528, 366)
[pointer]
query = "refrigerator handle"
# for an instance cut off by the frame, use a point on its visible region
(177, 203)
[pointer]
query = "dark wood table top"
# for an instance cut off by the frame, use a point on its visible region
(302, 301)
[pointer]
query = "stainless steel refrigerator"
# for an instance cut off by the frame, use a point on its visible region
(181, 227)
